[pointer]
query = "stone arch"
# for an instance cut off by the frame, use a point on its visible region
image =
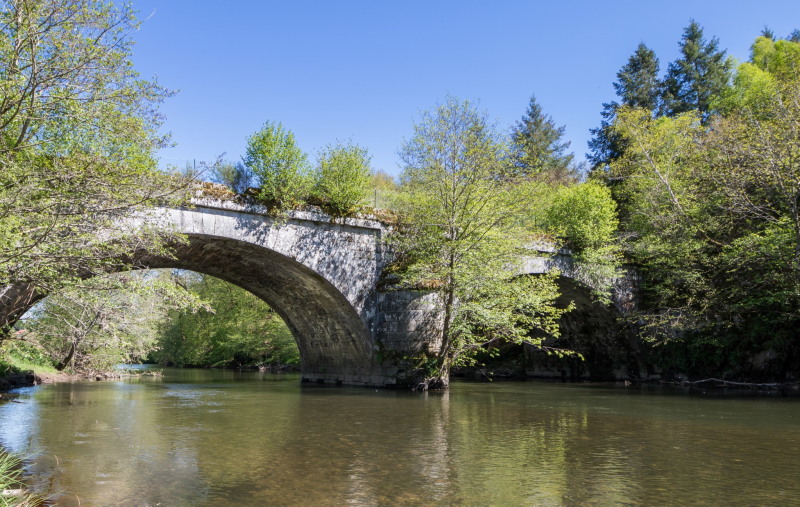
(319, 273)
(334, 342)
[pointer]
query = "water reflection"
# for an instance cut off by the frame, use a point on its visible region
(217, 438)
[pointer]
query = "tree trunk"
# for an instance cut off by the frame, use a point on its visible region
(63, 364)
(15, 300)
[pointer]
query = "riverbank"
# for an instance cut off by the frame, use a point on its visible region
(33, 378)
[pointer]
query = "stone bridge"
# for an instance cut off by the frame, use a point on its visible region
(321, 275)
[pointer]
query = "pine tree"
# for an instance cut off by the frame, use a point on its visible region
(637, 85)
(693, 80)
(538, 147)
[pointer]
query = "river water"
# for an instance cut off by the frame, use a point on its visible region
(202, 437)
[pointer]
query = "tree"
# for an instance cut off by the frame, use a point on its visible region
(661, 199)
(638, 86)
(78, 133)
(715, 225)
(755, 149)
(95, 326)
(700, 74)
(236, 176)
(342, 178)
(585, 216)
(235, 329)
(273, 156)
(460, 239)
(383, 191)
(709, 205)
(538, 148)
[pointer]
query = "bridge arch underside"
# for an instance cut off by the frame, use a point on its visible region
(334, 342)
(593, 329)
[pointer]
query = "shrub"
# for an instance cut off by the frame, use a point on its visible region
(273, 156)
(343, 178)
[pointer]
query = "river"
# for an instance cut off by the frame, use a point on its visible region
(211, 437)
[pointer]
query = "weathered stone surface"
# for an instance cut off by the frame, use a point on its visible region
(319, 275)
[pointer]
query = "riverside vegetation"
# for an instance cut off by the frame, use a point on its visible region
(694, 181)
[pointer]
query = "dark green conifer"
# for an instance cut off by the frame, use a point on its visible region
(538, 147)
(700, 74)
(637, 85)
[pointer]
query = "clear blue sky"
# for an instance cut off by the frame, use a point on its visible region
(364, 70)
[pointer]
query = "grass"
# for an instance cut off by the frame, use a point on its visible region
(17, 356)
(12, 488)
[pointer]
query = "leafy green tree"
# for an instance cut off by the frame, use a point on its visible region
(538, 148)
(382, 180)
(663, 203)
(281, 166)
(714, 219)
(752, 155)
(460, 239)
(383, 191)
(585, 217)
(637, 86)
(700, 74)
(235, 329)
(78, 133)
(755, 153)
(343, 177)
(752, 151)
(98, 325)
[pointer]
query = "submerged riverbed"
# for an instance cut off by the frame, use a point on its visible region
(203, 437)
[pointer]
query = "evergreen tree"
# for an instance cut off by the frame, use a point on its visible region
(538, 147)
(637, 85)
(700, 74)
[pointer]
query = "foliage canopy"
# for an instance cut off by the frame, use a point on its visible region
(461, 238)
(78, 130)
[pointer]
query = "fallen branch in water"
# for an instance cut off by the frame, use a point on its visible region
(780, 386)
